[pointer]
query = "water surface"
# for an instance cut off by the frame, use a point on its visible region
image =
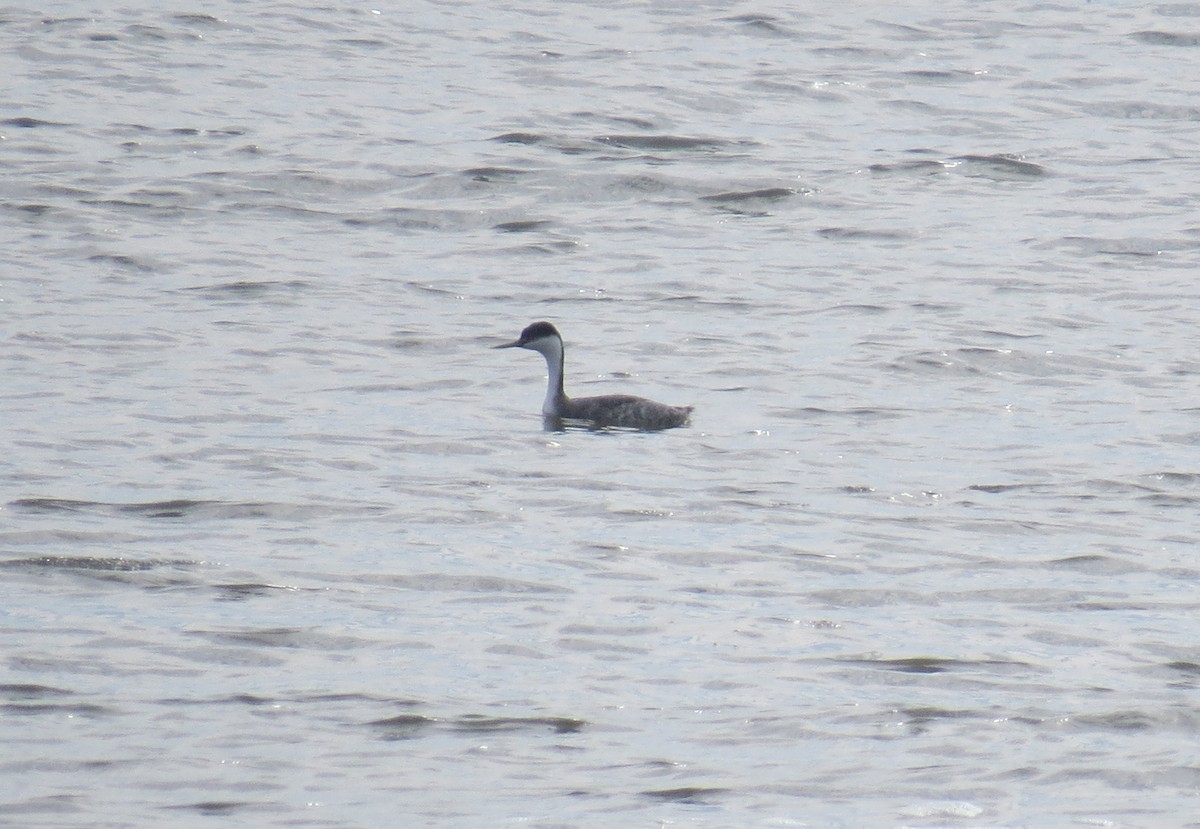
(282, 541)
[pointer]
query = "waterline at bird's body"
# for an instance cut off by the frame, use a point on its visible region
(621, 411)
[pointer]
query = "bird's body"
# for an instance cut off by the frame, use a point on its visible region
(622, 411)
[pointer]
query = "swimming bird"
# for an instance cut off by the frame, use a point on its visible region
(609, 410)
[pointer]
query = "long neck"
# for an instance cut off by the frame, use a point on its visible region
(556, 398)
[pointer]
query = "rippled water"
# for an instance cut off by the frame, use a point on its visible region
(283, 542)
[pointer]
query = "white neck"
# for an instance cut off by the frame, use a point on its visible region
(552, 349)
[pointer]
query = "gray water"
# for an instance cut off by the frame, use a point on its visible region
(282, 541)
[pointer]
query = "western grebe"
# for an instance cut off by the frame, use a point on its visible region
(609, 410)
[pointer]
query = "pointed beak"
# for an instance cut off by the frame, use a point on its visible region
(513, 344)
